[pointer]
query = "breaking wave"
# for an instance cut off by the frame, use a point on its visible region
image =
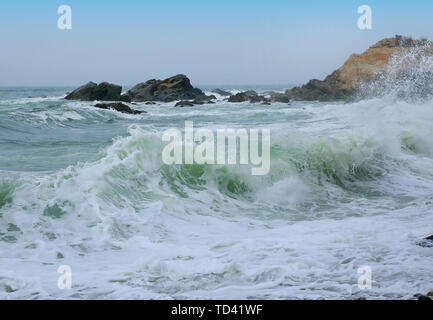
(349, 185)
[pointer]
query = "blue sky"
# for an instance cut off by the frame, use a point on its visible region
(213, 42)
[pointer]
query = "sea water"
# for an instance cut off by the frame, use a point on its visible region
(349, 185)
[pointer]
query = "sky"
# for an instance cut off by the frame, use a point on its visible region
(273, 42)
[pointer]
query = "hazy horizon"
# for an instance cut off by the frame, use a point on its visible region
(246, 43)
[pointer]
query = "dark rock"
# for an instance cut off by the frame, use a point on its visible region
(83, 93)
(204, 99)
(279, 97)
(174, 88)
(319, 91)
(125, 98)
(222, 92)
(250, 96)
(106, 92)
(422, 297)
(426, 242)
(256, 99)
(184, 103)
(238, 97)
(118, 107)
(103, 92)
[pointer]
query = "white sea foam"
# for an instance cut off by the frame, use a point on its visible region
(349, 185)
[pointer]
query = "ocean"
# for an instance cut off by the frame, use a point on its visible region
(350, 185)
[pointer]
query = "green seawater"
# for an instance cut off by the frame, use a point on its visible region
(348, 185)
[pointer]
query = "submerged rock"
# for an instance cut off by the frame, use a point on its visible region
(204, 99)
(103, 92)
(422, 297)
(174, 88)
(197, 101)
(184, 103)
(426, 242)
(118, 107)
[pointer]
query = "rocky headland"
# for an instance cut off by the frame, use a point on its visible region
(358, 70)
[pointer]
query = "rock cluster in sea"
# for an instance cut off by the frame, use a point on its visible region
(171, 89)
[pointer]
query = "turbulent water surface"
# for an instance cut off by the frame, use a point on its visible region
(349, 185)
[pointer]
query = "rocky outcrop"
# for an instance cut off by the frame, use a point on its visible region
(118, 107)
(84, 93)
(103, 92)
(174, 88)
(279, 97)
(250, 95)
(358, 69)
(253, 97)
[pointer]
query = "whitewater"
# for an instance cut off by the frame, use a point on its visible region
(350, 185)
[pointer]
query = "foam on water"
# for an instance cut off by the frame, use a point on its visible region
(349, 185)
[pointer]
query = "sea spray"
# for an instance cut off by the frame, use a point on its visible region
(408, 76)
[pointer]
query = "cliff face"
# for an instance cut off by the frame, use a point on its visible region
(359, 68)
